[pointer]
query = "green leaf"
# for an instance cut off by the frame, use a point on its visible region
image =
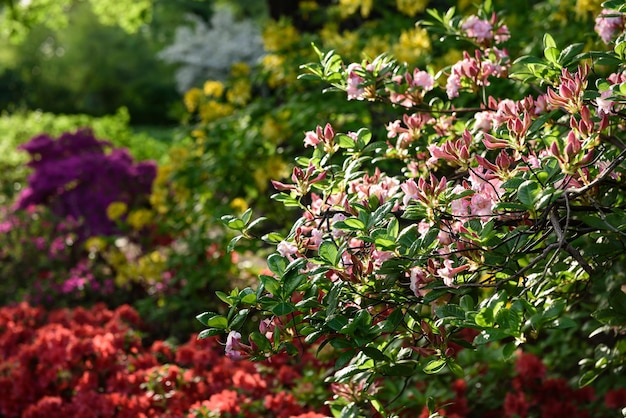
(224, 298)
(467, 303)
(217, 321)
(328, 252)
(450, 311)
(588, 377)
(344, 141)
(527, 192)
(552, 54)
(249, 299)
(374, 353)
(261, 341)
(209, 333)
(353, 224)
(435, 366)
(277, 264)
(204, 317)
(283, 308)
(346, 372)
(233, 242)
(617, 301)
(454, 367)
(245, 217)
(485, 318)
(272, 238)
(291, 283)
(487, 336)
(548, 41)
(508, 350)
(270, 283)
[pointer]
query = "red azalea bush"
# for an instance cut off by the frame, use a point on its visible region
(91, 362)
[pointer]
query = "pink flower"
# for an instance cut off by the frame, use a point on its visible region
(354, 90)
(483, 121)
(235, 350)
(447, 273)
(311, 139)
(481, 205)
(476, 28)
(286, 248)
(424, 80)
(609, 23)
(410, 191)
(418, 277)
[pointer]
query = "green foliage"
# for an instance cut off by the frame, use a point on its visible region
(90, 68)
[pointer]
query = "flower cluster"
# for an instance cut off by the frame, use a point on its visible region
(76, 178)
(93, 363)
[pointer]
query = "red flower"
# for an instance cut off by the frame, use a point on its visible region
(516, 405)
(615, 398)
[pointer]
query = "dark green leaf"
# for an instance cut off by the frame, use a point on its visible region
(209, 333)
(283, 308)
(204, 317)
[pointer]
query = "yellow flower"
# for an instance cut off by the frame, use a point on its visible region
(308, 6)
(192, 99)
(239, 93)
(213, 110)
(139, 218)
(239, 204)
(198, 133)
(349, 7)
(279, 35)
(411, 7)
(271, 130)
(413, 44)
(274, 65)
(345, 43)
(213, 88)
(275, 169)
(464, 5)
(239, 69)
(584, 8)
(95, 244)
(115, 210)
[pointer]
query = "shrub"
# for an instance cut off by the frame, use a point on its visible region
(91, 362)
(482, 208)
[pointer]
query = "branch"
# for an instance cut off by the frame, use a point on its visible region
(563, 244)
(576, 191)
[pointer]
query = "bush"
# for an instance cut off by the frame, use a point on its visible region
(481, 208)
(91, 362)
(18, 128)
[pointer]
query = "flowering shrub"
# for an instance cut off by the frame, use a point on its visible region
(76, 178)
(499, 214)
(93, 363)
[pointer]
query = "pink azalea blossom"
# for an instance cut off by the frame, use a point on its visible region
(354, 90)
(410, 191)
(476, 28)
(235, 350)
(448, 273)
(286, 248)
(418, 279)
(609, 24)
